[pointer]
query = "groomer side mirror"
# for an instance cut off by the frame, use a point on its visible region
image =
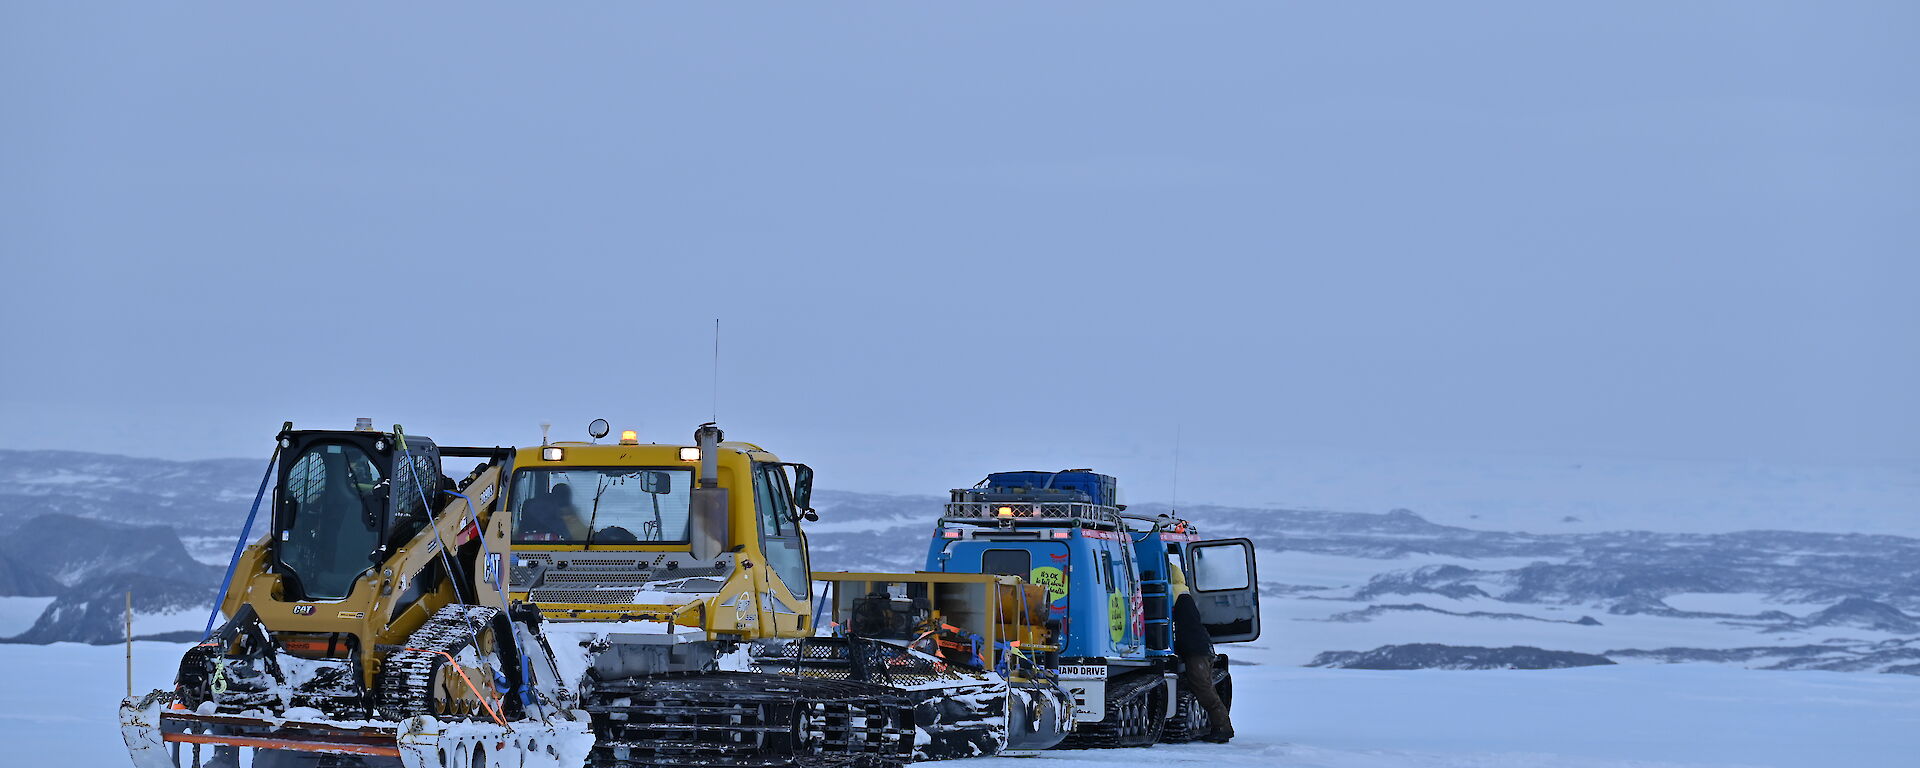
(803, 491)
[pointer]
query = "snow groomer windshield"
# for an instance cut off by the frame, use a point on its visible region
(601, 506)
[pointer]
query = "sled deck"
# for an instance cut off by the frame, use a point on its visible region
(160, 736)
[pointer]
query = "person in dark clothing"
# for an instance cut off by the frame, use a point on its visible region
(552, 517)
(1194, 646)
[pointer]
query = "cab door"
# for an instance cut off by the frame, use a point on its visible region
(1226, 588)
(784, 546)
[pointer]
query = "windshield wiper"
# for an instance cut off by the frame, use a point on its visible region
(600, 489)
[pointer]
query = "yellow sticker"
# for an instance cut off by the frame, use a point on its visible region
(353, 615)
(1116, 616)
(1054, 579)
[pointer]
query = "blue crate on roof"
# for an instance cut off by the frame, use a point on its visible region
(1097, 488)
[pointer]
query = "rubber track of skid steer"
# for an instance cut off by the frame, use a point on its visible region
(748, 720)
(406, 677)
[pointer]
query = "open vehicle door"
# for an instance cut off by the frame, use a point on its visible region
(1226, 588)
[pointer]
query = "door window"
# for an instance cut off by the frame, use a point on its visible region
(1217, 568)
(331, 524)
(1223, 571)
(413, 502)
(1007, 562)
(780, 539)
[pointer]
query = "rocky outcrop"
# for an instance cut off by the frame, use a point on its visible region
(1433, 656)
(94, 611)
(1371, 612)
(1861, 613)
(90, 566)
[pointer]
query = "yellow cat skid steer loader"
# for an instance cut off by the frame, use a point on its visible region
(368, 627)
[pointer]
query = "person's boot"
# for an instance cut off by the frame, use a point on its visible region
(1222, 727)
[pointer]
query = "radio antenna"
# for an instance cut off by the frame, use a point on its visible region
(1175, 504)
(716, 371)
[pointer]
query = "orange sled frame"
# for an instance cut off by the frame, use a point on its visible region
(160, 736)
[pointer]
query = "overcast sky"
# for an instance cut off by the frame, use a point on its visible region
(950, 238)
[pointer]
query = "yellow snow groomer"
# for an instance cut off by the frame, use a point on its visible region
(668, 576)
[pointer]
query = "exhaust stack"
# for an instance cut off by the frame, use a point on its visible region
(708, 438)
(707, 526)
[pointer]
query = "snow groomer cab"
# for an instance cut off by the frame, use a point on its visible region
(1106, 576)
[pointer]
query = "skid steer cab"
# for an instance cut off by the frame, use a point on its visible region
(366, 625)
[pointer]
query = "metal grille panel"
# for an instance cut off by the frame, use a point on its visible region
(586, 596)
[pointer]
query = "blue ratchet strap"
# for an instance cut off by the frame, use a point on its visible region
(820, 607)
(220, 593)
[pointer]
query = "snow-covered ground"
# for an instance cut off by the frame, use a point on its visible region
(61, 711)
(1590, 717)
(184, 620)
(212, 550)
(1298, 627)
(1296, 630)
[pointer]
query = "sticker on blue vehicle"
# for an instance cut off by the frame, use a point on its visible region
(1054, 579)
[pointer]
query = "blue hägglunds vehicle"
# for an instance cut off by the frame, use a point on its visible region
(1106, 574)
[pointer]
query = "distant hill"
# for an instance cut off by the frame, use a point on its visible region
(64, 551)
(205, 497)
